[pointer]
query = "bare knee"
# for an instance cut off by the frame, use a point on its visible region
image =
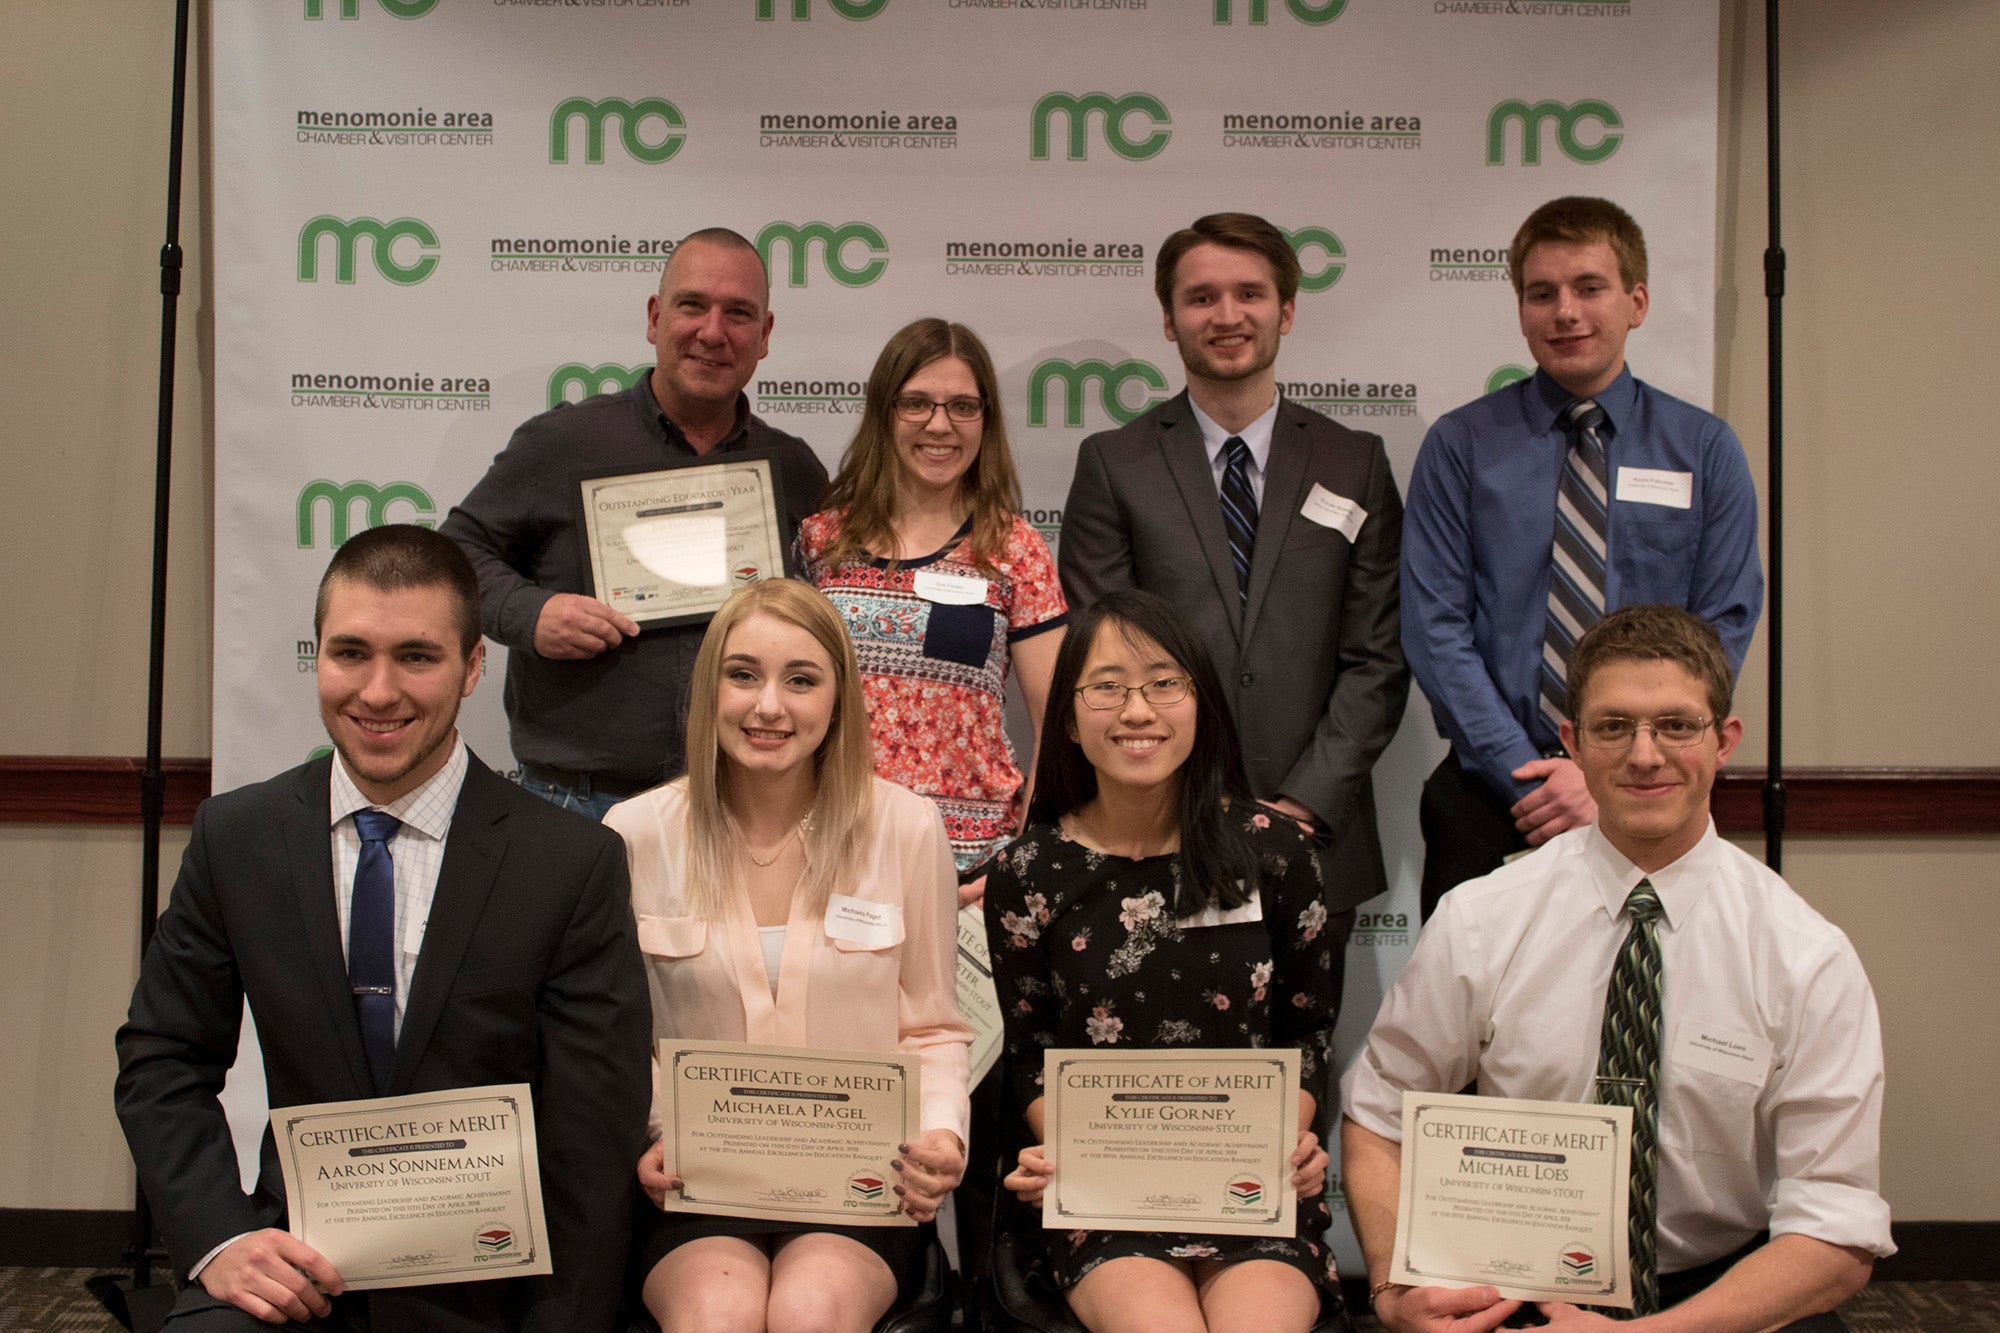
(727, 1297)
(795, 1311)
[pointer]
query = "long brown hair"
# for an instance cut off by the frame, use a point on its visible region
(866, 487)
(843, 809)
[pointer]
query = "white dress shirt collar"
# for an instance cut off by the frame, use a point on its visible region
(1257, 435)
(427, 809)
(1679, 884)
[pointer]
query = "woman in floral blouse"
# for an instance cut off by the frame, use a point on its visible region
(1151, 902)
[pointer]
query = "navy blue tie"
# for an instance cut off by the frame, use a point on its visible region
(1239, 510)
(371, 943)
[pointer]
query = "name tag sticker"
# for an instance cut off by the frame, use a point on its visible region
(1338, 512)
(1217, 915)
(1742, 1056)
(951, 589)
(859, 921)
(1656, 486)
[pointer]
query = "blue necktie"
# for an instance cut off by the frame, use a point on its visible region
(1239, 510)
(371, 943)
(1577, 570)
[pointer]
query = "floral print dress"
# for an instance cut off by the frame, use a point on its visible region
(1086, 952)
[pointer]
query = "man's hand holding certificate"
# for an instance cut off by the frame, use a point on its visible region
(1526, 1197)
(432, 1187)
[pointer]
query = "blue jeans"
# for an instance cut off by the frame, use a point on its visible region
(583, 800)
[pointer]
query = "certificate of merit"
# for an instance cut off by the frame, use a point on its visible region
(433, 1187)
(1528, 1197)
(790, 1133)
(1171, 1140)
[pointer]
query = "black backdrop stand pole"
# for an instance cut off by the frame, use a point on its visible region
(139, 1303)
(1774, 604)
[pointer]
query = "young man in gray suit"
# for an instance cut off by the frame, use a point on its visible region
(1274, 529)
(495, 946)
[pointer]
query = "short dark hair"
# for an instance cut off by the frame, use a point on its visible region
(1218, 864)
(1237, 231)
(722, 238)
(1653, 634)
(1577, 219)
(402, 555)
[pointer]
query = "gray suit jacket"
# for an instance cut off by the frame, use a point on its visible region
(529, 973)
(1314, 661)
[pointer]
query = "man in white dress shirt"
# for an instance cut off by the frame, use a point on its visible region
(1769, 1209)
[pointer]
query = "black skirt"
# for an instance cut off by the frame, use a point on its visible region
(657, 1233)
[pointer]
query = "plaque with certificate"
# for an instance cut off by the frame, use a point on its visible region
(668, 547)
(1528, 1197)
(790, 1133)
(978, 1004)
(433, 1187)
(1182, 1139)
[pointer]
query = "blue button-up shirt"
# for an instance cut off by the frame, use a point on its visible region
(1476, 537)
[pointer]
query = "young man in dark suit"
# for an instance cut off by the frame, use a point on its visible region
(1274, 529)
(507, 955)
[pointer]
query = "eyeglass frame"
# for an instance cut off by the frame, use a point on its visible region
(931, 406)
(1186, 683)
(1651, 725)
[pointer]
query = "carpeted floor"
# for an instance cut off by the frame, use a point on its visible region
(53, 1300)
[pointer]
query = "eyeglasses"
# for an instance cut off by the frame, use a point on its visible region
(1109, 694)
(918, 411)
(1669, 733)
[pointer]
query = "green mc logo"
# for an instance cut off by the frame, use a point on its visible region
(802, 9)
(1567, 119)
(339, 502)
(351, 9)
(382, 237)
(1079, 109)
(1506, 375)
(1305, 11)
(1076, 376)
(630, 117)
(800, 238)
(1323, 277)
(592, 380)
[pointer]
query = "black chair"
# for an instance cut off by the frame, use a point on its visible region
(927, 1308)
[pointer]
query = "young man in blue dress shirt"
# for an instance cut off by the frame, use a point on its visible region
(1673, 519)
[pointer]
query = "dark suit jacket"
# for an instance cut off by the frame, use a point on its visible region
(1314, 662)
(529, 973)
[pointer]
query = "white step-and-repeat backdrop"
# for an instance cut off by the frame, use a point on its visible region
(435, 218)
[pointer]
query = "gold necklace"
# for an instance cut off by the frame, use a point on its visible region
(761, 863)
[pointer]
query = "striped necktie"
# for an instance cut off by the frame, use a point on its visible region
(1577, 570)
(1239, 510)
(1628, 1068)
(371, 943)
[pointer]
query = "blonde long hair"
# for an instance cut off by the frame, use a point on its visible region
(842, 810)
(865, 488)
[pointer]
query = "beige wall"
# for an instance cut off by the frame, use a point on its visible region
(1889, 147)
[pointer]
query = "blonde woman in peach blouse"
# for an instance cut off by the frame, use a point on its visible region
(733, 870)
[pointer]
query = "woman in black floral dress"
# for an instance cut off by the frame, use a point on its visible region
(1142, 825)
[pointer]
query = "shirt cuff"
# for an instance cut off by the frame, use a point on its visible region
(195, 1272)
(1835, 1213)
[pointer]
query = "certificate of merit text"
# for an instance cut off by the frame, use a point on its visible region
(1171, 1140)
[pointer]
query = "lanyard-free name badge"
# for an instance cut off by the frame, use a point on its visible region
(950, 589)
(858, 921)
(1338, 512)
(1656, 486)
